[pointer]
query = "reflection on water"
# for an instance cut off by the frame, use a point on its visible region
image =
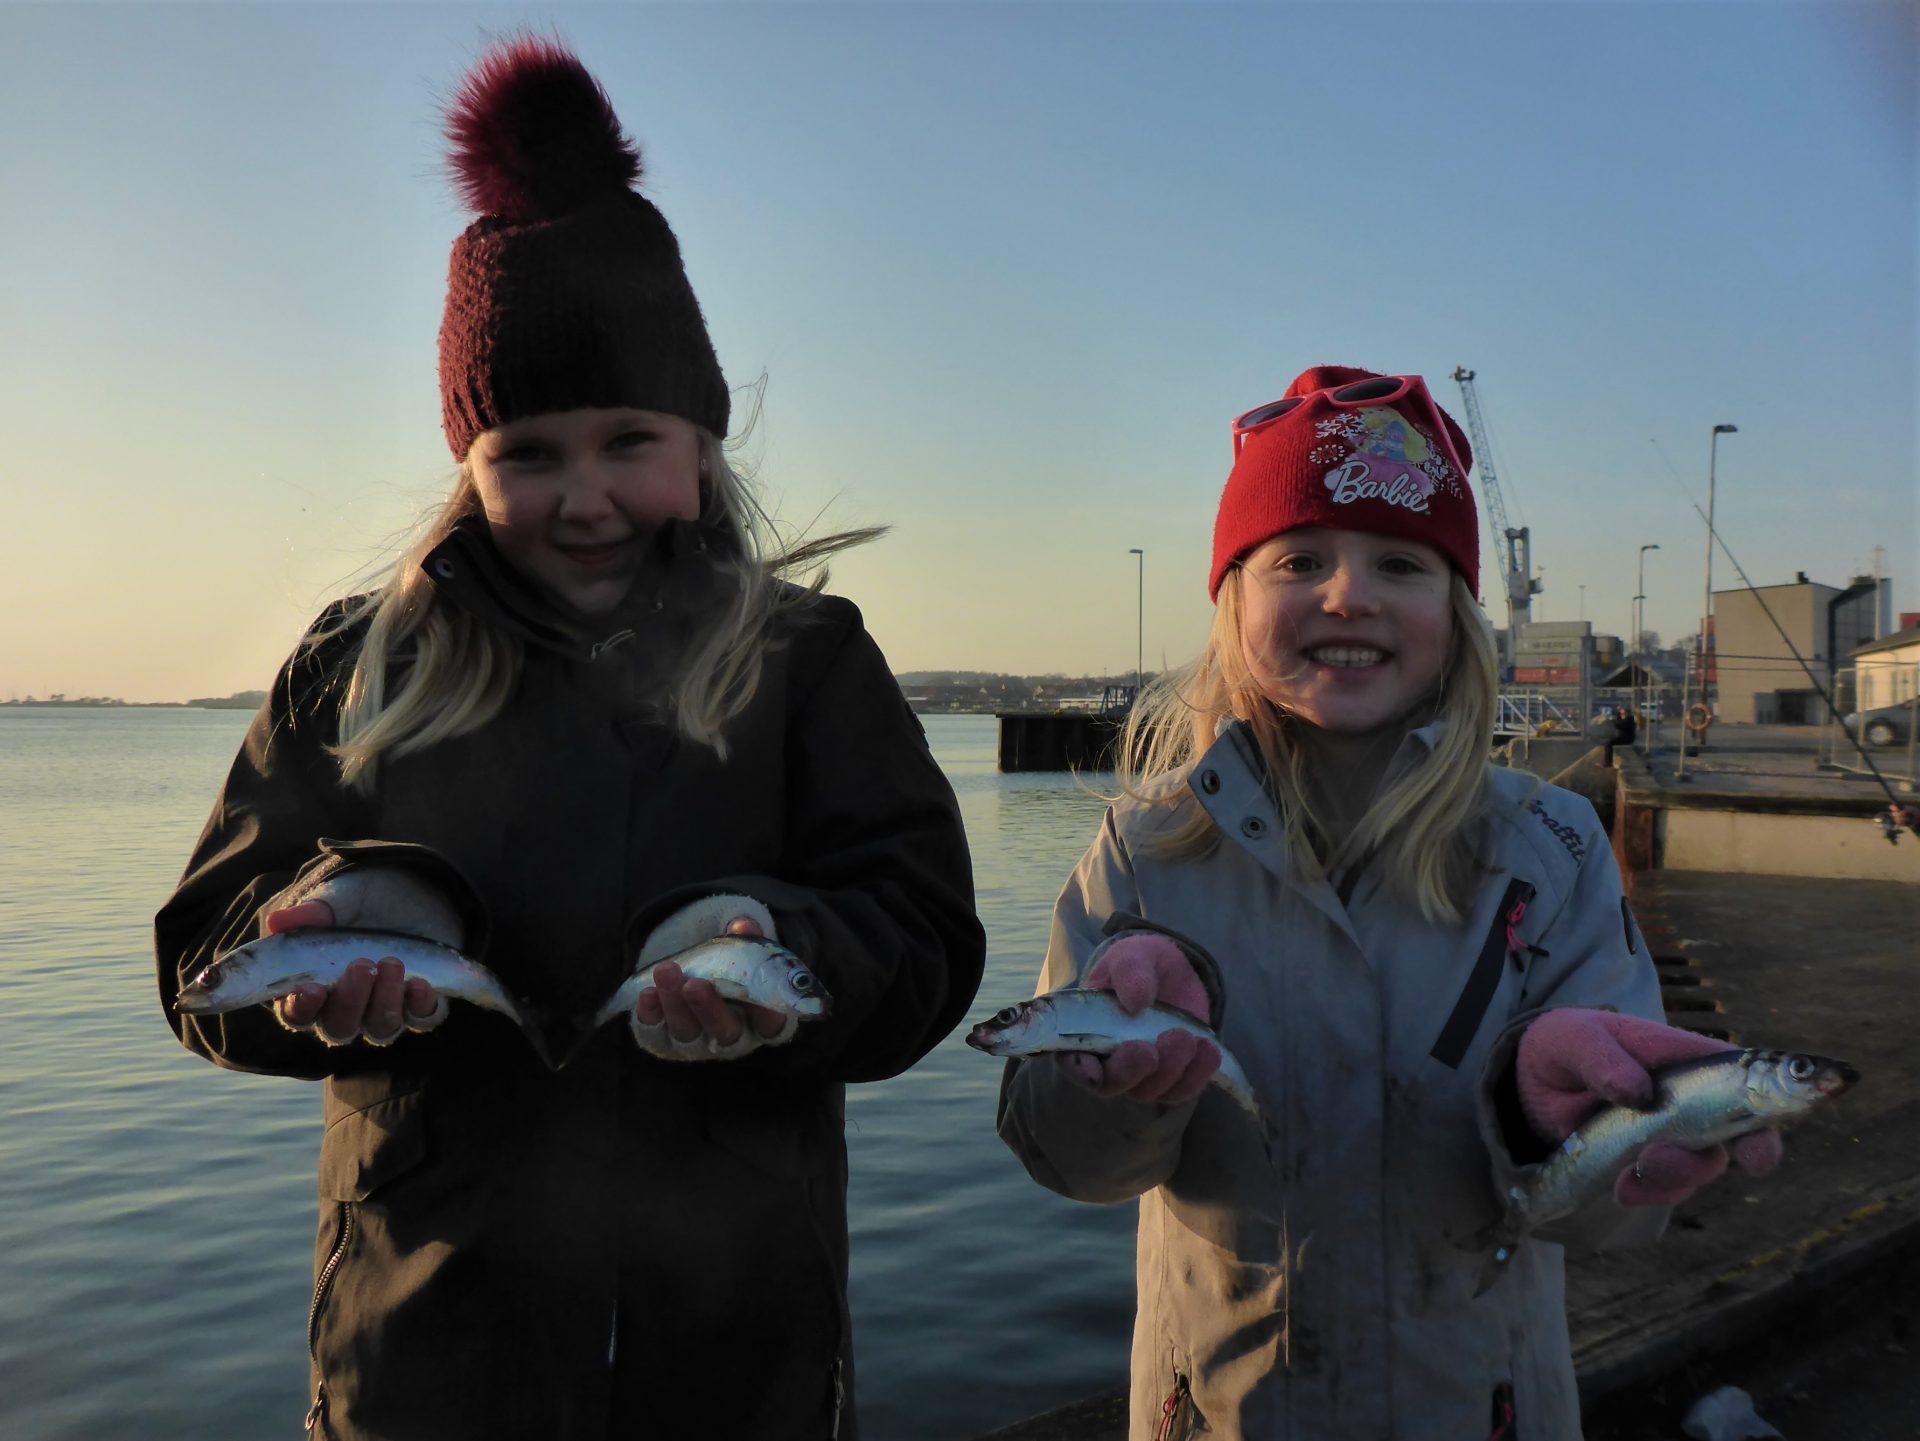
(156, 1213)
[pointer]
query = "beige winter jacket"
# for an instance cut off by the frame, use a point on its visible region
(1315, 1285)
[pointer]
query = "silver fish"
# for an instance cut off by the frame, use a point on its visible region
(749, 969)
(1696, 1104)
(1093, 1022)
(274, 966)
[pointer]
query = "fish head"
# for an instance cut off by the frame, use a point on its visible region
(196, 993)
(1001, 1034)
(1785, 1083)
(805, 993)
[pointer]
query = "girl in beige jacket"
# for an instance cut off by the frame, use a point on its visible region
(1425, 964)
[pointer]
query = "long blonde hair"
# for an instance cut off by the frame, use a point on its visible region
(1421, 829)
(427, 672)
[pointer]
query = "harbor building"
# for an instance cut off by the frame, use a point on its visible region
(1887, 671)
(1758, 681)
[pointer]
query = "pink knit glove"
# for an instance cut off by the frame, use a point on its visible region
(1572, 1062)
(1140, 970)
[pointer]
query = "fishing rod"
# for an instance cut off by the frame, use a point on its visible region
(1894, 803)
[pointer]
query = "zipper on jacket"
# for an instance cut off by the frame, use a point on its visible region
(1177, 1400)
(601, 647)
(839, 1396)
(1501, 944)
(320, 1289)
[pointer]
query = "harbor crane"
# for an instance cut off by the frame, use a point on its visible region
(1516, 558)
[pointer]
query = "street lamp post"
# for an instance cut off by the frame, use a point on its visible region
(1139, 619)
(1706, 609)
(1639, 631)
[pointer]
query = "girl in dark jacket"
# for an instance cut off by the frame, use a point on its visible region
(584, 722)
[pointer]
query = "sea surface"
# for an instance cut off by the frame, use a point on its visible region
(157, 1213)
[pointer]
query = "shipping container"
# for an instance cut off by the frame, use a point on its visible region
(1540, 628)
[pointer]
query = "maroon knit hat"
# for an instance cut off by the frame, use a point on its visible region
(568, 291)
(1351, 450)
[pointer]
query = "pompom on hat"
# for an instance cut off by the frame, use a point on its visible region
(1351, 450)
(568, 291)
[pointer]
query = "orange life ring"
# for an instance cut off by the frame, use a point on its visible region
(1699, 717)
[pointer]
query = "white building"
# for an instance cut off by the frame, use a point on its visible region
(1887, 671)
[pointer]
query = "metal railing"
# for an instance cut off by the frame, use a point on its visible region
(1879, 714)
(1529, 713)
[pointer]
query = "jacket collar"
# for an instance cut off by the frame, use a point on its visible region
(679, 576)
(1229, 782)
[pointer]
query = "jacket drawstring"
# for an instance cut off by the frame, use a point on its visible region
(1518, 949)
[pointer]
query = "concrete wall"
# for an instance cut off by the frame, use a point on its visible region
(1755, 843)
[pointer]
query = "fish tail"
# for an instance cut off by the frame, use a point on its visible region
(571, 1041)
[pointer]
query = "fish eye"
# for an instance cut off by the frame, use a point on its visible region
(802, 981)
(1007, 1017)
(1800, 1068)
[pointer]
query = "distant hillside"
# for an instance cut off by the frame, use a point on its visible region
(977, 692)
(239, 700)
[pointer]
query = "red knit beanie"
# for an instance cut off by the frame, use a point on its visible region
(1352, 451)
(568, 291)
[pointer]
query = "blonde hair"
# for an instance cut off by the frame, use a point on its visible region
(426, 672)
(1421, 829)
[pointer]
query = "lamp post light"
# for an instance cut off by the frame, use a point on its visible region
(1639, 631)
(1706, 609)
(1139, 619)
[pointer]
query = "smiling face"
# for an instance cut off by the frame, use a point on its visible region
(571, 497)
(1345, 629)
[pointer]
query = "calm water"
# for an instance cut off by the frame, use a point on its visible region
(157, 1214)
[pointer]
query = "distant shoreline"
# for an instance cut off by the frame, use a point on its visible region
(926, 692)
(241, 700)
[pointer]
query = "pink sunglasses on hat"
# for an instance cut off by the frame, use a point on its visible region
(1355, 395)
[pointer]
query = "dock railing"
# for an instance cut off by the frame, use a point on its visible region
(1527, 712)
(1877, 710)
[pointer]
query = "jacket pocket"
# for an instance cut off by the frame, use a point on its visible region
(1505, 1425)
(790, 1144)
(368, 1148)
(1501, 945)
(344, 1223)
(363, 1150)
(1178, 1417)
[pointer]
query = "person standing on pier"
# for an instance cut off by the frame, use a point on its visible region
(585, 719)
(1425, 964)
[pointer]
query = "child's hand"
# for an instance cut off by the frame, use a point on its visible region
(693, 1009)
(1141, 970)
(1572, 1062)
(373, 1000)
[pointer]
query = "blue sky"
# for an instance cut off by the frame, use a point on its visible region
(1008, 270)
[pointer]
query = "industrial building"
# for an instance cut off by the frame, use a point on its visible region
(1752, 665)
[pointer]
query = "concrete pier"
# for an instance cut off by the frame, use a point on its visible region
(1058, 740)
